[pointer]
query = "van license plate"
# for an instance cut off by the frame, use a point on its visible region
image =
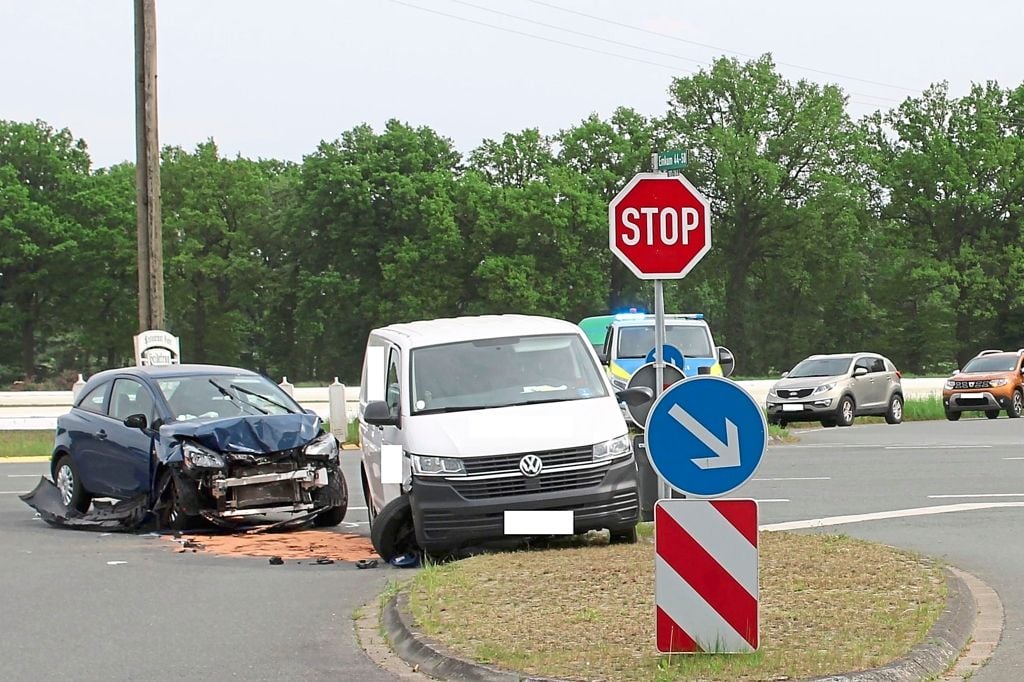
(530, 522)
(792, 407)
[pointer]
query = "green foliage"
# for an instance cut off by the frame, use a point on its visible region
(900, 233)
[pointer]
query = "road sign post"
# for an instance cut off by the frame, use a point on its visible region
(659, 226)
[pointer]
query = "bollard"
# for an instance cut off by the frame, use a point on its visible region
(338, 416)
(287, 388)
(76, 388)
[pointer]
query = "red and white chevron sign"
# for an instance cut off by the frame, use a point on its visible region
(705, 576)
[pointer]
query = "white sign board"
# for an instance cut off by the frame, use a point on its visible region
(156, 347)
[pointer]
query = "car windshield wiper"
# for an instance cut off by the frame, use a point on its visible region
(235, 399)
(262, 397)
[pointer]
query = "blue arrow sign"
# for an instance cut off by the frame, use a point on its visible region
(670, 354)
(706, 436)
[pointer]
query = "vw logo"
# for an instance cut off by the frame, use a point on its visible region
(531, 465)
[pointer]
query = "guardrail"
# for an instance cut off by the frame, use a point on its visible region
(26, 410)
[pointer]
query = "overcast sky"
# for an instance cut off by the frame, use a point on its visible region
(272, 79)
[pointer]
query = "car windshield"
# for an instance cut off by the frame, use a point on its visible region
(820, 367)
(481, 374)
(216, 396)
(991, 363)
(690, 340)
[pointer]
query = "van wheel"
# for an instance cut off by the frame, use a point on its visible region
(626, 536)
(894, 415)
(393, 532)
(846, 412)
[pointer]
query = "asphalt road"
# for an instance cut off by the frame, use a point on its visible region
(68, 613)
(881, 470)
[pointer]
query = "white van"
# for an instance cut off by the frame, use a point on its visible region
(474, 429)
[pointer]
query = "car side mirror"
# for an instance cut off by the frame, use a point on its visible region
(860, 371)
(727, 360)
(637, 395)
(377, 413)
(136, 421)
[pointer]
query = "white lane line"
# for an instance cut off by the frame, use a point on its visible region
(13, 492)
(1012, 458)
(970, 495)
(880, 516)
(937, 447)
(796, 478)
(775, 499)
(22, 475)
(358, 508)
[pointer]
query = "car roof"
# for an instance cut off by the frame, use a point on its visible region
(1000, 353)
(845, 356)
(471, 327)
(158, 371)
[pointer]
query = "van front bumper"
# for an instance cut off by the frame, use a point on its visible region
(453, 514)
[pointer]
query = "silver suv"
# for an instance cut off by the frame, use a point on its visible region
(833, 389)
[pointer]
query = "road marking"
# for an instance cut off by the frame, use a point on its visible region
(13, 492)
(897, 514)
(776, 499)
(22, 475)
(796, 478)
(943, 497)
(1013, 458)
(937, 447)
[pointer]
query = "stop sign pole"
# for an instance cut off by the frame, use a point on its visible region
(659, 227)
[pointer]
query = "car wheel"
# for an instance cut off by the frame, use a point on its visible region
(334, 515)
(828, 423)
(952, 416)
(72, 494)
(623, 536)
(846, 412)
(782, 424)
(894, 415)
(992, 414)
(170, 515)
(1016, 405)
(393, 532)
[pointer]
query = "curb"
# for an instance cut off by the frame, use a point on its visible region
(24, 459)
(943, 645)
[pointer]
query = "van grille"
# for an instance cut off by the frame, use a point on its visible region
(503, 464)
(546, 482)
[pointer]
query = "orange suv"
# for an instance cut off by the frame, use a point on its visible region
(990, 382)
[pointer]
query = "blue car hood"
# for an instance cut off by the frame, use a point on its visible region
(258, 434)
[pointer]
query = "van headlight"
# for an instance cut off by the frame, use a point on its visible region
(198, 457)
(613, 449)
(425, 465)
(323, 447)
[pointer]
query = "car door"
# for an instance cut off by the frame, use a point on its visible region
(124, 454)
(863, 386)
(86, 425)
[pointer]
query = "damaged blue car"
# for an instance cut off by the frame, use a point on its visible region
(197, 443)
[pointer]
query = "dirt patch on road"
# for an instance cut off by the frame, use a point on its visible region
(303, 544)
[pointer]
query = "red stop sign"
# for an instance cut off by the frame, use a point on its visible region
(659, 226)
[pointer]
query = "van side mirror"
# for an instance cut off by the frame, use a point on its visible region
(637, 395)
(136, 421)
(727, 360)
(377, 413)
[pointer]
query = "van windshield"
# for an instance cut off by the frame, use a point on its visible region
(690, 340)
(474, 375)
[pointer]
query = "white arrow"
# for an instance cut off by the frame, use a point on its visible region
(727, 454)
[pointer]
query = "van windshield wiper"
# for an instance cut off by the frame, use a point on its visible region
(453, 408)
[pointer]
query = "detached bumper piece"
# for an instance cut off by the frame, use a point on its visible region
(124, 516)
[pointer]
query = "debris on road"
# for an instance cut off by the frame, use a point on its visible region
(124, 516)
(319, 546)
(276, 561)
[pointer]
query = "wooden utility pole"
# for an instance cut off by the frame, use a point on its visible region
(147, 170)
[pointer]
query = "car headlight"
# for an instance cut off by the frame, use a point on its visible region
(325, 446)
(772, 392)
(425, 465)
(824, 388)
(998, 382)
(613, 449)
(198, 457)
(949, 383)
